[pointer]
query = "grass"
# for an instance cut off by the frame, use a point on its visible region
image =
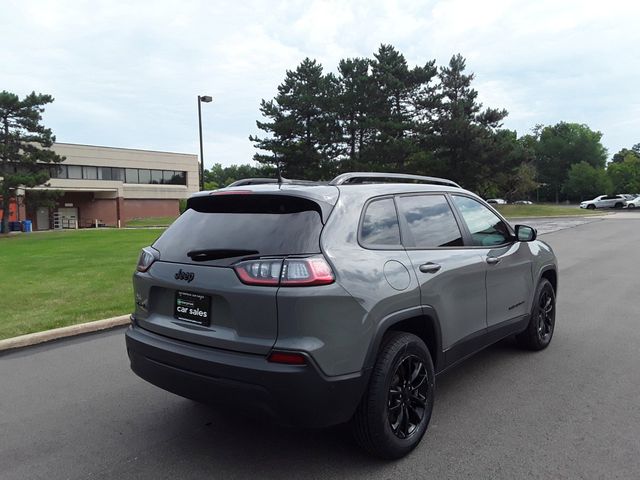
(55, 279)
(543, 210)
(151, 222)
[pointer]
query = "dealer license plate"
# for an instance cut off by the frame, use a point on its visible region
(193, 308)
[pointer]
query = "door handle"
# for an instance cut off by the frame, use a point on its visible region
(429, 267)
(493, 260)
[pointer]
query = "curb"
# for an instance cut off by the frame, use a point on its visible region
(58, 333)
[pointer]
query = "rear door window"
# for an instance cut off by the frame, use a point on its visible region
(379, 228)
(430, 221)
(218, 230)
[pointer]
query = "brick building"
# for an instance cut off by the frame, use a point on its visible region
(110, 186)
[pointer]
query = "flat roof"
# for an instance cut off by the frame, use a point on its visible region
(123, 148)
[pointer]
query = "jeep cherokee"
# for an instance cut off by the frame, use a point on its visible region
(324, 303)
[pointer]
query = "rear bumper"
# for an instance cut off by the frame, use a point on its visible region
(292, 395)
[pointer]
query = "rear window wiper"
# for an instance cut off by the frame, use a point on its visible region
(218, 253)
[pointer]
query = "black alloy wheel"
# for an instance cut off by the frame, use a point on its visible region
(546, 315)
(591, 206)
(395, 410)
(542, 321)
(407, 397)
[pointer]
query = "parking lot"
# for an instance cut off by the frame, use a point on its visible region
(73, 409)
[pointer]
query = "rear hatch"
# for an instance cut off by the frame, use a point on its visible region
(192, 292)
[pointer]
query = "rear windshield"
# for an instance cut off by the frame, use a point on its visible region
(219, 230)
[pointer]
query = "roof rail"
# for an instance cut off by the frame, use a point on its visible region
(261, 181)
(366, 177)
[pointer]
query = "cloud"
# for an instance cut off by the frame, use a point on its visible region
(128, 73)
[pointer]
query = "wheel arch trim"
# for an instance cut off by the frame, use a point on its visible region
(424, 313)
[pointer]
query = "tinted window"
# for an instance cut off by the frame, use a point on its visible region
(380, 224)
(167, 176)
(156, 176)
(90, 173)
(74, 171)
(179, 178)
(485, 227)
(117, 174)
(59, 171)
(267, 224)
(104, 173)
(144, 176)
(431, 221)
(131, 175)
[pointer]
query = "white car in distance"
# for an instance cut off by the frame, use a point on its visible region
(605, 201)
(635, 203)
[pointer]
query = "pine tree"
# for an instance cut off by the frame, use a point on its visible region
(397, 106)
(24, 155)
(464, 134)
(354, 111)
(302, 129)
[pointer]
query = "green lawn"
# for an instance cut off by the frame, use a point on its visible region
(543, 210)
(54, 279)
(151, 222)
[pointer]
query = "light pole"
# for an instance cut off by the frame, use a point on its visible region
(205, 99)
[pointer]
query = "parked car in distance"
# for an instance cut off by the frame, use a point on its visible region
(319, 304)
(604, 201)
(497, 201)
(634, 203)
(523, 202)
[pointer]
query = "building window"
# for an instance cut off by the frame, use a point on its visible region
(179, 178)
(131, 175)
(117, 174)
(144, 176)
(104, 173)
(90, 173)
(59, 171)
(156, 176)
(74, 171)
(127, 175)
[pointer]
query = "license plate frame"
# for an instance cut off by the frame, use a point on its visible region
(192, 308)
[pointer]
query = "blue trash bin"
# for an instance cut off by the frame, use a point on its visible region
(26, 226)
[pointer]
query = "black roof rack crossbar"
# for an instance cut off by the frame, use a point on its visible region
(261, 181)
(363, 177)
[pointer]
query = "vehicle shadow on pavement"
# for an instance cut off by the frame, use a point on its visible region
(207, 440)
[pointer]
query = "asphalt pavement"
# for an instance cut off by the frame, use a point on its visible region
(73, 409)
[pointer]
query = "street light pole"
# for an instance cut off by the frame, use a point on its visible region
(205, 99)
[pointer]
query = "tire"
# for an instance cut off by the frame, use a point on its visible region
(618, 205)
(591, 206)
(395, 410)
(539, 332)
(631, 205)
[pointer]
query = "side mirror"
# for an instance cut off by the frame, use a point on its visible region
(525, 233)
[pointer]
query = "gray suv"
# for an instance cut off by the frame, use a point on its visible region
(324, 303)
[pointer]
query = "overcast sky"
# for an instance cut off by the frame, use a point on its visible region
(127, 74)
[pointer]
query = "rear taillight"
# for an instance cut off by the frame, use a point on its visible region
(148, 255)
(306, 271)
(294, 272)
(259, 272)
